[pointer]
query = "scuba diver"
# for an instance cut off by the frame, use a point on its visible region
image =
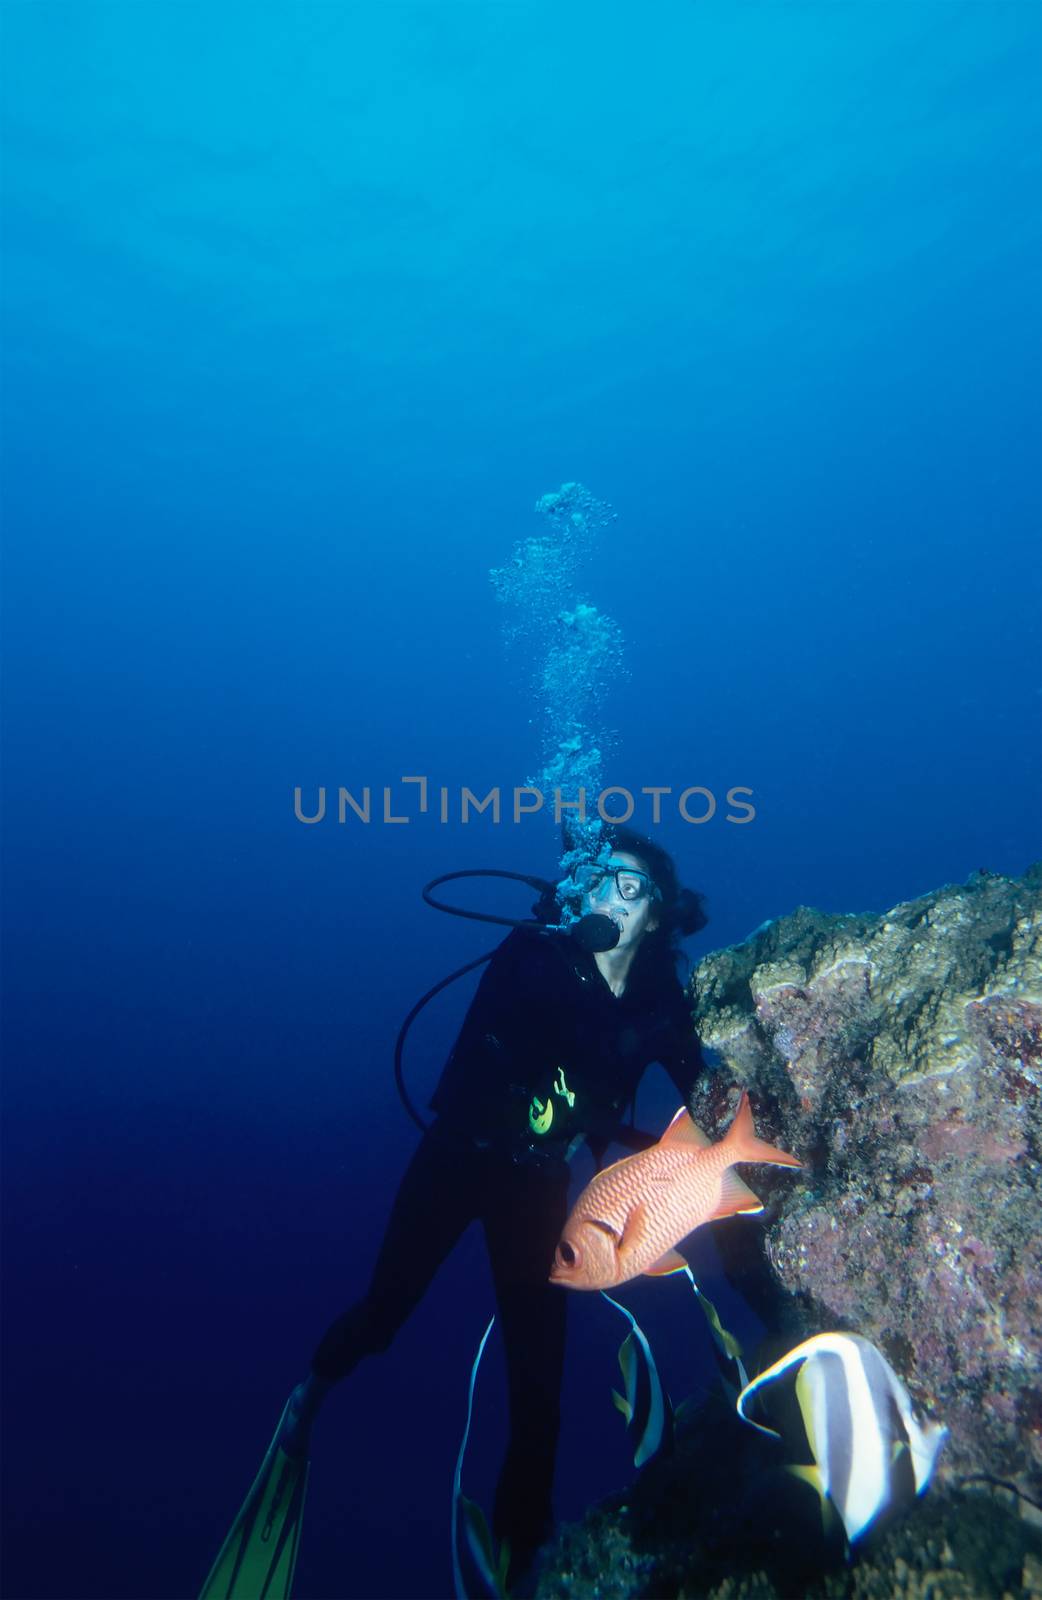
(550, 1054)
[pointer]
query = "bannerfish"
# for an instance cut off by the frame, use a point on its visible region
(872, 1456)
(477, 1546)
(630, 1217)
(645, 1404)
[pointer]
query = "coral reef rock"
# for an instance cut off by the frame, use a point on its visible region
(901, 1057)
(720, 1521)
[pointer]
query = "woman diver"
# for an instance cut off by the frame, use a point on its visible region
(550, 1054)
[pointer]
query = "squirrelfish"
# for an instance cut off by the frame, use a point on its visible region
(631, 1216)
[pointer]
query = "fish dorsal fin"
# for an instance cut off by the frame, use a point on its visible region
(612, 1165)
(672, 1261)
(735, 1197)
(685, 1132)
(773, 1374)
(628, 1367)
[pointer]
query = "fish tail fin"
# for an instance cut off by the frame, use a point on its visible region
(925, 1446)
(742, 1143)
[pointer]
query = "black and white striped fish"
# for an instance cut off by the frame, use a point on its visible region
(871, 1455)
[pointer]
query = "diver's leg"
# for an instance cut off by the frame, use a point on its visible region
(523, 1218)
(304, 1405)
(437, 1198)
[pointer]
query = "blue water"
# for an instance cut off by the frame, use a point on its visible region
(304, 308)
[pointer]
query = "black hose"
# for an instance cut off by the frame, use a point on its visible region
(545, 910)
(399, 1079)
(546, 902)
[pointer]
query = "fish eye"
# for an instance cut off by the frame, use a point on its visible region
(565, 1253)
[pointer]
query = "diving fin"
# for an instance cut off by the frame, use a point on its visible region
(257, 1560)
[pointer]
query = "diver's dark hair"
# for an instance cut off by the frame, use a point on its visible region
(681, 911)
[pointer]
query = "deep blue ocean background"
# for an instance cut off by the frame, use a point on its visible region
(304, 308)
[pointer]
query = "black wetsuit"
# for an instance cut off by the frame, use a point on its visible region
(547, 1055)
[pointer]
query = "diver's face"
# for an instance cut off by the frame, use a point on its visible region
(634, 917)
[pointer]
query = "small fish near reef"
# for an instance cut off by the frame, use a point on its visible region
(837, 1398)
(630, 1217)
(645, 1405)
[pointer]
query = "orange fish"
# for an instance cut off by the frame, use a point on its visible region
(631, 1216)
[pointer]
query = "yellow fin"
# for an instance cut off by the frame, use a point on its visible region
(812, 1475)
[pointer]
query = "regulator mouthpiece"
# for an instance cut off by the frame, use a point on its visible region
(596, 932)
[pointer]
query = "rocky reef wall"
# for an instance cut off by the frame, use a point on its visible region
(901, 1057)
